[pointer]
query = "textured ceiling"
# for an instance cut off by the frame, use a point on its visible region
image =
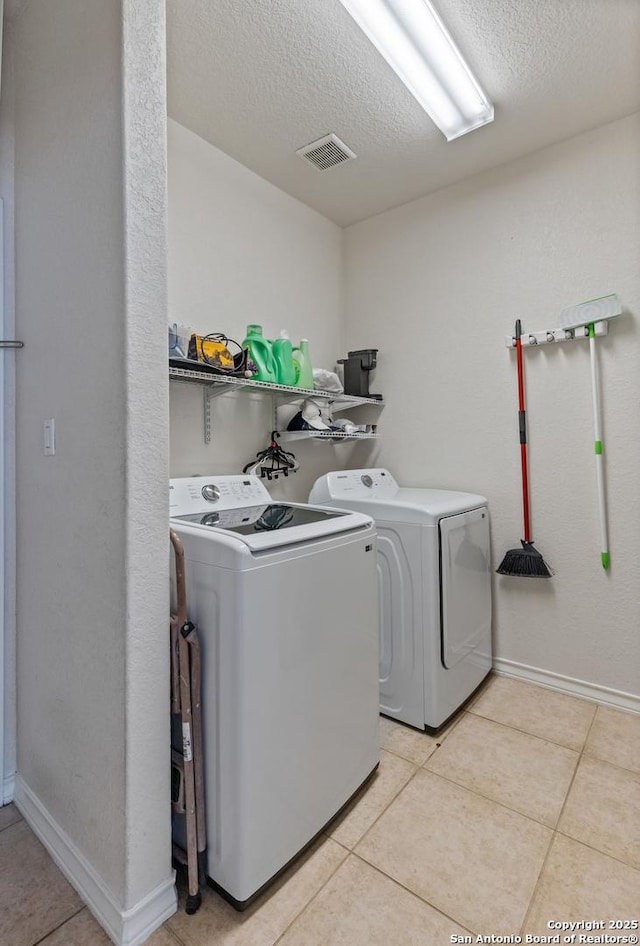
(261, 78)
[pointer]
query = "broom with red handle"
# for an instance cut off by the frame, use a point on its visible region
(526, 562)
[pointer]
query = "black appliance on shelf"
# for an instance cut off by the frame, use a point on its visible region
(357, 366)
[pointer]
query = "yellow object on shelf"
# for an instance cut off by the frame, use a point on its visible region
(210, 352)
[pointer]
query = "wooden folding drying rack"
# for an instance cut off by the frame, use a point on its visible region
(187, 778)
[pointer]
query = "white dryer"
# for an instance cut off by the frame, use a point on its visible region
(434, 588)
(284, 598)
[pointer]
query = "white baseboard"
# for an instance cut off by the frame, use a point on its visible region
(8, 788)
(556, 681)
(125, 927)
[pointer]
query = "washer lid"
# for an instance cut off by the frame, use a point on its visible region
(238, 509)
(272, 525)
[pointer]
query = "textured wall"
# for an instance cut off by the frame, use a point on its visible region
(70, 512)
(8, 446)
(436, 285)
(92, 554)
(148, 829)
(242, 251)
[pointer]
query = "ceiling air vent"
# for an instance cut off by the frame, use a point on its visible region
(326, 152)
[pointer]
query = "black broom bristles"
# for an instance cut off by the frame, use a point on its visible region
(526, 562)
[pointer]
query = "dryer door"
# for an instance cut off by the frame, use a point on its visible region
(466, 586)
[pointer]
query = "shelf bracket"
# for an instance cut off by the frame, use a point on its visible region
(208, 395)
(206, 414)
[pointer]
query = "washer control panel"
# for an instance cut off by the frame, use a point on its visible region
(210, 492)
(202, 493)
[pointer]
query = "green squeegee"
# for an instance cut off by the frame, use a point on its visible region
(588, 313)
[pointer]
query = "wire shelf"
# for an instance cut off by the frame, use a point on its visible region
(195, 376)
(214, 385)
(289, 435)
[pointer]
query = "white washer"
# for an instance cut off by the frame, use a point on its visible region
(434, 591)
(284, 598)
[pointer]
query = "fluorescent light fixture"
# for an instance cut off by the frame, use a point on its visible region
(417, 45)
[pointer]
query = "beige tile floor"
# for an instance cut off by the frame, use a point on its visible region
(524, 811)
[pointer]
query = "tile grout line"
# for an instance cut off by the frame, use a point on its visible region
(421, 732)
(327, 837)
(526, 733)
(413, 893)
(397, 755)
(348, 852)
(532, 898)
(12, 823)
(552, 829)
(60, 925)
(580, 758)
(494, 801)
(315, 895)
(388, 805)
(451, 781)
(422, 766)
(165, 926)
(532, 735)
(418, 767)
(388, 876)
(555, 829)
(581, 753)
(267, 896)
(578, 752)
(615, 765)
(440, 742)
(596, 850)
(167, 923)
(558, 831)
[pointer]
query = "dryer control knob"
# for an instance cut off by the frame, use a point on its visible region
(366, 480)
(211, 493)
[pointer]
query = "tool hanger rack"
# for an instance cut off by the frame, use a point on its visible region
(551, 336)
